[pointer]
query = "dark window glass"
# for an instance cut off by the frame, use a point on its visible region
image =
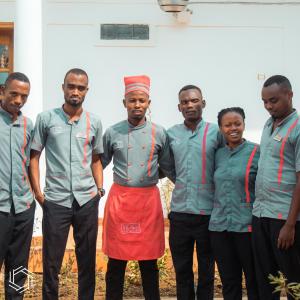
(140, 32)
(108, 32)
(124, 32)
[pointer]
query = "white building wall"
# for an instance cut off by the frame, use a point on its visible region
(226, 49)
(223, 49)
(7, 10)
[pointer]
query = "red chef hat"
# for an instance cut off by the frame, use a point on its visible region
(137, 83)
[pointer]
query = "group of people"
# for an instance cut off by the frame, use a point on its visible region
(237, 202)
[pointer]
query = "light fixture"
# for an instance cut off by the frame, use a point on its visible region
(173, 6)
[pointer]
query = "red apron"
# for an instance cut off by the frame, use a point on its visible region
(133, 225)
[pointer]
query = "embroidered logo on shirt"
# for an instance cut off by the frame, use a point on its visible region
(176, 141)
(81, 135)
(130, 228)
(277, 138)
(119, 144)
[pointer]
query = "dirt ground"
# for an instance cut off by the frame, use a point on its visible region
(132, 286)
(68, 288)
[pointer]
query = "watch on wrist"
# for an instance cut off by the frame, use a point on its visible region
(101, 191)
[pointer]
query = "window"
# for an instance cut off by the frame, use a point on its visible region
(124, 32)
(6, 51)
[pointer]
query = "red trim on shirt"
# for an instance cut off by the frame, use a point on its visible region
(247, 174)
(152, 149)
(24, 158)
(281, 154)
(88, 129)
(23, 149)
(204, 154)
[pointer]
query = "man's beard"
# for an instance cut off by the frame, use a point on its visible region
(74, 103)
(139, 117)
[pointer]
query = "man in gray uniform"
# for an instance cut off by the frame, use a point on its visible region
(72, 138)
(133, 226)
(193, 145)
(16, 200)
(276, 210)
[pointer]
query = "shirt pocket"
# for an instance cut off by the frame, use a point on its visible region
(84, 145)
(56, 130)
(276, 147)
(83, 137)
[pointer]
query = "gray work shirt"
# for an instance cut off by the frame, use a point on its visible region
(194, 156)
(136, 151)
(69, 147)
(234, 178)
(277, 167)
(15, 140)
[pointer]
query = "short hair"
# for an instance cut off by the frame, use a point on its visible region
(189, 87)
(279, 80)
(16, 76)
(224, 111)
(77, 71)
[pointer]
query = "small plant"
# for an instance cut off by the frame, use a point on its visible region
(280, 282)
(162, 265)
(66, 269)
(166, 187)
(132, 275)
(66, 278)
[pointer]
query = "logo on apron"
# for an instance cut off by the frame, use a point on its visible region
(130, 228)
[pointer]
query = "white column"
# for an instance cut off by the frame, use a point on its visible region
(28, 51)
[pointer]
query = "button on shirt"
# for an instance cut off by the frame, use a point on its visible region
(136, 152)
(277, 167)
(69, 147)
(15, 140)
(194, 154)
(234, 178)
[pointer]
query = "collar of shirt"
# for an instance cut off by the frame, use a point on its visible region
(67, 117)
(19, 121)
(284, 121)
(236, 149)
(199, 125)
(132, 127)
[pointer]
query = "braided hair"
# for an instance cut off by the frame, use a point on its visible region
(224, 111)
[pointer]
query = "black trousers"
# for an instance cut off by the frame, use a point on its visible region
(233, 254)
(185, 231)
(269, 259)
(115, 279)
(57, 220)
(15, 239)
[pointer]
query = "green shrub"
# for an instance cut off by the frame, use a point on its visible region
(280, 282)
